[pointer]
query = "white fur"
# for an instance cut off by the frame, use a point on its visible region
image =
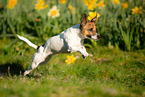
(27, 41)
(70, 40)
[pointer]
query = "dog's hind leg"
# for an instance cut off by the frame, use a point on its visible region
(35, 64)
(46, 60)
(38, 58)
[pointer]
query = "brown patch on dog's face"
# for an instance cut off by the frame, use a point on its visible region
(89, 28)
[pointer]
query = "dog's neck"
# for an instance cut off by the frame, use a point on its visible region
(77, 27)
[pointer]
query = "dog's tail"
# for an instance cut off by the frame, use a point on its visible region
(27, 41)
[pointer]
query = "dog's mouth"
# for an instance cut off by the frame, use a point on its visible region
(94, 37)
(88, 36)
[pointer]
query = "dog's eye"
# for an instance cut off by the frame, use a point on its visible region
(91, 29)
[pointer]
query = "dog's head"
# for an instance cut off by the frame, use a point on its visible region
(88, 28)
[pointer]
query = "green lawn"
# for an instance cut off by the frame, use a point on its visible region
(109, 72)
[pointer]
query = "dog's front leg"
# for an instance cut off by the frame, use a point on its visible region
(84, 52)
(81, 49)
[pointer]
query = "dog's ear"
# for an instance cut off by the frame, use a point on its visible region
(84, 20)
(94, 19)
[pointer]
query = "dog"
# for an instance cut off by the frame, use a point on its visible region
(70, 40)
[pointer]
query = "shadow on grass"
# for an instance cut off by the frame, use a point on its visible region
(11, 68)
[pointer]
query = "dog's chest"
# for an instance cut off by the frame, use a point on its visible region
(73, 36)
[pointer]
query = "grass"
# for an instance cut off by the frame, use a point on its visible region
(109, 72)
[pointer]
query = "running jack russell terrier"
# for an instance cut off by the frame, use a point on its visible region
(70, 40)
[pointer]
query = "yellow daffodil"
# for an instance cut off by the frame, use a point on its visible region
(72, 8)
(92, 15)
(90, 3)
(62, 1)
(12, 4)
(101, 4)
(115, 1)
(40, 5)
(125, 5)
(54, 12)
(136, 10)
(70, 59)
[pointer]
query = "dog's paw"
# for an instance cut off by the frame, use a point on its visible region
(84, 56)
(27, 72)
(90, 55)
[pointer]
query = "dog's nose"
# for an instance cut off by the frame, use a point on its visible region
(98, 36)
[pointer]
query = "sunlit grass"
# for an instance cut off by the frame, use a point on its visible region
(109, 72)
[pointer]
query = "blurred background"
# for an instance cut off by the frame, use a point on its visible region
(120, 23)
(117, 68)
